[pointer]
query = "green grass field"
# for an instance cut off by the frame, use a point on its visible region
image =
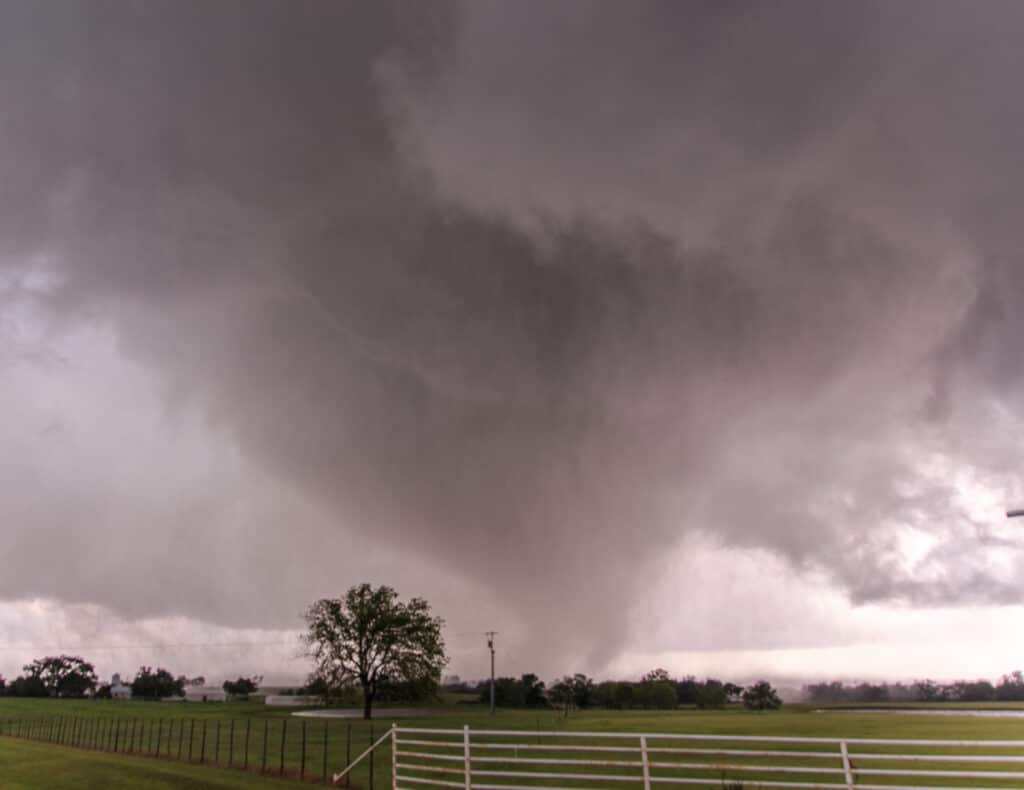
(90, 722)
(26, 765)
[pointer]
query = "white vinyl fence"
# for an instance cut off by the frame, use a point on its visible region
(511, 760)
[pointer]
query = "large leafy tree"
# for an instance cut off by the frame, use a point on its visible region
(369, 638)
(761, 696)
(63, 676)
(534, 694)
(26, 686)
(158, 683)
(572, 691)
(242, 687)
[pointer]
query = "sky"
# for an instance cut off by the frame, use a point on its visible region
(680, 334)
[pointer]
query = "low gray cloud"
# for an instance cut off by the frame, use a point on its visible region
(529, 293)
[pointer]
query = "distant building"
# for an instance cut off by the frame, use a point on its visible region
(117, 689)
(204, 694)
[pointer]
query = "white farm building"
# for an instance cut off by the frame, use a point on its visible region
(204, 694)
(119, 690)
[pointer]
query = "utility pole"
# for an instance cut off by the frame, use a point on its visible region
(490, 645)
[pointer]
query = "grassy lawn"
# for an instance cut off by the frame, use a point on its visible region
(168, 727)
(27, 766)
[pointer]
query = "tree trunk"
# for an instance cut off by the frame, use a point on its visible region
(367, 703)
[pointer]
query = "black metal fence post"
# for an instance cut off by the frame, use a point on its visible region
(181, 735)
(325, 752)
(117, 732)
(302, 753)
(284, 736)
(248, 727)
(202, 747)
(348, 753)
(266, 733)
(191, 738)
(216, 748)
(231, 743)
(373, 756)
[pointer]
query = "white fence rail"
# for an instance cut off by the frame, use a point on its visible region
(511, 760)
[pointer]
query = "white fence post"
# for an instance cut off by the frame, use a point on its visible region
(643, 759)
(846, 764)
(466, 758)
(394, 756)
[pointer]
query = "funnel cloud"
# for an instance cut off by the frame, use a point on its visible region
(510, 306)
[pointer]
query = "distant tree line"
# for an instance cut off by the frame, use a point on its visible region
(1009, 688)
(655, 690)
(73, 677)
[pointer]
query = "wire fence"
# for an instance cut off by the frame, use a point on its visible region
(295, 748)
(312, 750)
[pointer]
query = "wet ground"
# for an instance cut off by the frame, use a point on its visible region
(357, 713)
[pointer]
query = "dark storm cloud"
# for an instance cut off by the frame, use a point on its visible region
(533, 291)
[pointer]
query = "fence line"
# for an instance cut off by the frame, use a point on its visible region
(423, 758)
(515, 759)
(305, 752)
